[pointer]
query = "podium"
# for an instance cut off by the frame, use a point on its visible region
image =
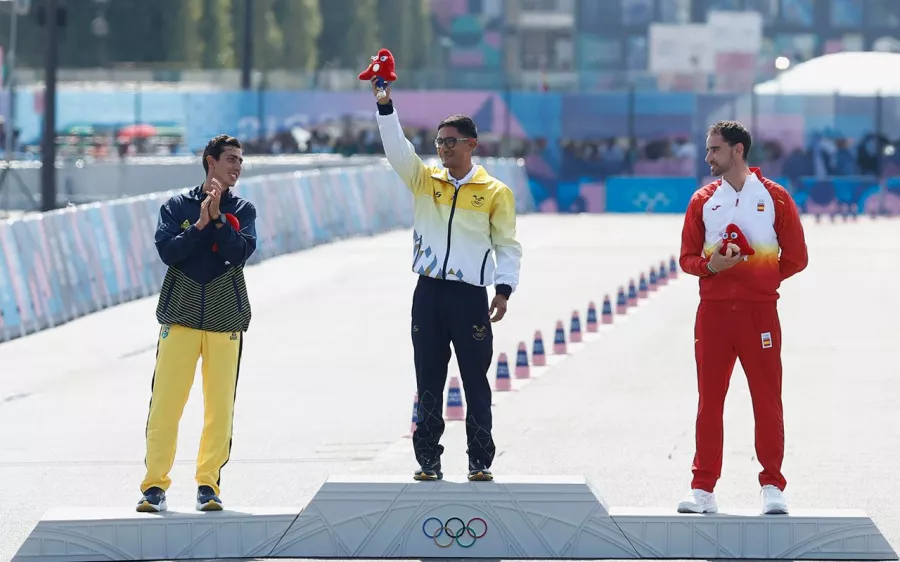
(527, 517)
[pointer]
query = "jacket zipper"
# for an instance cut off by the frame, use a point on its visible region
(202, 304)
(237, 294)
(737, 203)
(484, 263)
(449, 229)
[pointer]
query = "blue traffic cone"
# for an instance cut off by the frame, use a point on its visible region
(621, 303)
(415, 414)
(575, 328)
(673, 268)
(633, 293)
(663, 278)
(559, 339)
(522, 371)
(643, 291)
(503, 382)
(606, 313)
(653, 285)
(592, 317)
(538, 356)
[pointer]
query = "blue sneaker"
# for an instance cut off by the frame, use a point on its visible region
(207, 500)
(154, 501)
(478, 472)
(429, 471)
(480, 475)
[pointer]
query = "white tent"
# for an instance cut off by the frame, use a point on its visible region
(846, 74)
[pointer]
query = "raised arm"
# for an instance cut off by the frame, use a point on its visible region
(399, 151)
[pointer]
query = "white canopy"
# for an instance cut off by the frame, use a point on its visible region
(847, 74)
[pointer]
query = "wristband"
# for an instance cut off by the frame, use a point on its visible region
(710, 269)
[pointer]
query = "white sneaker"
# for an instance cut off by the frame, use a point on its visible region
(772, 500)
(698, 501)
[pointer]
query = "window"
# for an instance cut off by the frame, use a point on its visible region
(598, 52)
(722, 5)
(637, 12)
(846, 42)
(636, 53)
(675, 11)
(798, 12)
(546, 50)
(846, 13)
(883, 13)
(767, 8)
(594, 15)
(539, 5)
(799, 47)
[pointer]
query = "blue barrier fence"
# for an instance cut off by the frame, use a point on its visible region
(68, 263)
(813, 195)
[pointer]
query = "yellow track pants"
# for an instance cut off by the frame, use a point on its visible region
(178, 350)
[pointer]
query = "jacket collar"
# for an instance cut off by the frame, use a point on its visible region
(480, 176)
(754, 171)
(198, 194)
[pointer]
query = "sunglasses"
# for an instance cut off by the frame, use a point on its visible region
(449, 142)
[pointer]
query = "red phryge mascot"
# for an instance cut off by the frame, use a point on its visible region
(382, 66)
(733, 235)
(235, 224)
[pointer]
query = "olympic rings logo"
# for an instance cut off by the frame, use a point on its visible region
(454, 530)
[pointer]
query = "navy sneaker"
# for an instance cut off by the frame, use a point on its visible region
(478, 472)
(432, 471)
(154, 501)
(207, 500)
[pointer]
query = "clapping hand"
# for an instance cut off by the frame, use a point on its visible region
(214, 191)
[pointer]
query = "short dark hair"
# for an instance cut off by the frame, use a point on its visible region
(733, 133)
(463, 124)
(216, 146)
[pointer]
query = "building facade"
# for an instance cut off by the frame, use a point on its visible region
(571, 45)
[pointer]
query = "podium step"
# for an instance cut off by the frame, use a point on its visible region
(527, 517)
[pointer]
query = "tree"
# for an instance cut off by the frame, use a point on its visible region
(134, 31)
(216, 35)
(78, 45)
(179, 31)
(349, 33)
(301, 26)
(268, 41)
(395, 30)
(422, 35)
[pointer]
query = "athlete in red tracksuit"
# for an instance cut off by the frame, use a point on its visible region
(737, 317)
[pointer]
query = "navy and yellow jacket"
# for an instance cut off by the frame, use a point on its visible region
(203, 289)
(459, 226)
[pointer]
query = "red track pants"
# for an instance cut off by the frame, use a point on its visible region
(724, 332)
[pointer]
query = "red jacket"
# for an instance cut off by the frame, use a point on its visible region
(768, 217)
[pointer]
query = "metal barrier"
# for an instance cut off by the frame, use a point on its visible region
(84, 181)
(71, 262)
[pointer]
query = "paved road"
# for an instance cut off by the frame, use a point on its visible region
(328, 363)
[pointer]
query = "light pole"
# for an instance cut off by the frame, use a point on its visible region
(48, 140)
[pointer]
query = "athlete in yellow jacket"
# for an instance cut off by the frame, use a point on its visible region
(464, 217)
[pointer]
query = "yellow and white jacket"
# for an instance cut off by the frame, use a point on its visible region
(457, 223)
